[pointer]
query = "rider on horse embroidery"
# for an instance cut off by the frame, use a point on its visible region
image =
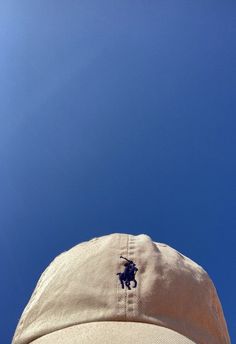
(129, 274)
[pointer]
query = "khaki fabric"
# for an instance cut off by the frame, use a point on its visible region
(81, 287)
(114, 332)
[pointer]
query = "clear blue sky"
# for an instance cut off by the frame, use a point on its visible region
(116, 116)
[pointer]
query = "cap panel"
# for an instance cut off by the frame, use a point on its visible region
(175, 292)
(80, 286)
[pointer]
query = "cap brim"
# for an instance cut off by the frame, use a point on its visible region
(114, 332)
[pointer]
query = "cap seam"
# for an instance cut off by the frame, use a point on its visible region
(119, 298)
(132, 292)
(126, 295)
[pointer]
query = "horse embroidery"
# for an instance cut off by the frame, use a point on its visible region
(129, 274)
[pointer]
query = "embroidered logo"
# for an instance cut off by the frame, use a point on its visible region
(128, 274)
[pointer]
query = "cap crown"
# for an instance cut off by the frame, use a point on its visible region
(82, 285)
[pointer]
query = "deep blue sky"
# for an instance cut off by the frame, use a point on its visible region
(116, 116)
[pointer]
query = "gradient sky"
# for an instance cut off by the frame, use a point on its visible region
(116, 116)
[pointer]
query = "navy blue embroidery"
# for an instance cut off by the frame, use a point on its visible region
(129, 274)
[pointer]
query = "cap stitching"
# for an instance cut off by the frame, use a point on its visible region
(126, 296)
(131, 295)
(120, 292)
(117, 287)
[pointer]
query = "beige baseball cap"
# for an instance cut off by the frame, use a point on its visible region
(122, 288)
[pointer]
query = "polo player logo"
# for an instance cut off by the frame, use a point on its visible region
(129, 274)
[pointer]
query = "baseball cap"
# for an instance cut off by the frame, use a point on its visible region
(122, 288)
